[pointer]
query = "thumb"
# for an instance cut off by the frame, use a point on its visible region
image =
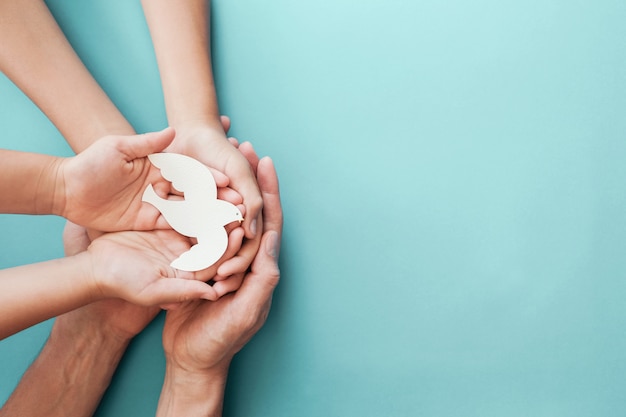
(145, 144)
(167, 291)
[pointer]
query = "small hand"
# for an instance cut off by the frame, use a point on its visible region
(103, 185)
(135, 266)
(116, 318)
(210, 146)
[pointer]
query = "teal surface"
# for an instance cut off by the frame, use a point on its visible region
(454, 184)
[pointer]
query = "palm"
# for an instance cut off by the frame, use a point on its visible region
(200, 335)
(112, 198)
(134, 264)
(210, 146)
(121, 318)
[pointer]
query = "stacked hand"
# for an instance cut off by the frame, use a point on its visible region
(209, 145)
(201, 337)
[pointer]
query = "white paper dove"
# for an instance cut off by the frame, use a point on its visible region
(200, 214)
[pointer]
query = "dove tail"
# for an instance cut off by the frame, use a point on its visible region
(150, 196)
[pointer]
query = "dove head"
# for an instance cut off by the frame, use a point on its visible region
(229, 213)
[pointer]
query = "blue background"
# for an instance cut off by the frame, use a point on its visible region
(453, 180)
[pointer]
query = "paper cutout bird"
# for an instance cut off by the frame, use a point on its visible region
(200, 214)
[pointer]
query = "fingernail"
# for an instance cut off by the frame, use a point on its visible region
(271, 247)
(253, 226)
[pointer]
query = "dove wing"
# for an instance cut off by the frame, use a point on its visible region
(212, 244)
(187, 175)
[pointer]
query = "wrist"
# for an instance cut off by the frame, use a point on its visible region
(80, 332)
(199, 137)
(192, 393)
(51, 193)
(94, 351)
(182, 120)
(94, 283)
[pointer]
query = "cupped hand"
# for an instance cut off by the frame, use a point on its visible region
(116, 318)
(104, 184)
(209, 145)
(203, 336)
(135, 266)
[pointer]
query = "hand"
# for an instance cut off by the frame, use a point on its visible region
(102, 186)
(115, 317)
(200, 338)
(135, 266)
(210, 146)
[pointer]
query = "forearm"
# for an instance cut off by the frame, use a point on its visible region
(37, 57)
(30, 183)
(33, 293)
(192, 394)
(180, 34)
(71, 373)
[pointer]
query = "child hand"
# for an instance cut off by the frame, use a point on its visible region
(210, 146)
(135, 266)
(101, 188)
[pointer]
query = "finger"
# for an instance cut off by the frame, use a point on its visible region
(230, 195)
(175, 290)
(272, 209)
(228, 285)
(254, 203)
(225, 123)
(258, 286)
(242, 260)
(250, 193)
(221, 179)
(235, 239)
(139, 146)
(184, 274)
(248, 151)
(234, 142)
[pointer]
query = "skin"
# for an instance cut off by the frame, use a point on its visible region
(128, 265)
(180, 34)
(201, 338)
(99, 188)
(75, 366)
(86, 344)
(37, 57)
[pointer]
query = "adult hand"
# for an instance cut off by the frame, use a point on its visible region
(200, 338)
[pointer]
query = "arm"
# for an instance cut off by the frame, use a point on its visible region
(180, 33)
(25, 288)
(37, 57)
(201, 338)
(71, 373)
(133, 266)
(110, 201)
(76, 364)
(29, 182)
